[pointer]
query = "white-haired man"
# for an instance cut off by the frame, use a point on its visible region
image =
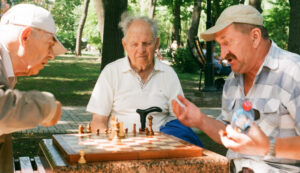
(138, 81)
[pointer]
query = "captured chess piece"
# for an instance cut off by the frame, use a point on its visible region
(88, 128)
(150, 132)
(80, 129)
(143, 114)
(81, 159)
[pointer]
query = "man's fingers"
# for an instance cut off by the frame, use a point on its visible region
(175, 107)
(182, 99)
(229, 143)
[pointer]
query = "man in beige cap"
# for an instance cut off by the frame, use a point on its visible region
(27, 42)
(267, 76)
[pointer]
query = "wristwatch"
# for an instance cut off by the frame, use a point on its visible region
(271, 153)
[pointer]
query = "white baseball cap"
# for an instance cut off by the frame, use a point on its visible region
(236, 13)
(36, 17)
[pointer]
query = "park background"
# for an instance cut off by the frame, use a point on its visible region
(89, 30)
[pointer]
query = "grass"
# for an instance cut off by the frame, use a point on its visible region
(69, 78)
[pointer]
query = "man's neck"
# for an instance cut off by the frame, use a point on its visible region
(260, 55)
(144, 72)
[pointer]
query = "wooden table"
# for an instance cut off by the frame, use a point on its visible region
(210, 162)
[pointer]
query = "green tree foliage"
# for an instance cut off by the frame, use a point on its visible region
(184, 62)
(65, 17)
(91, 29)
(276, 20)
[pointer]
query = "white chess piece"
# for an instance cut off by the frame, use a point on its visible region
(81, 159)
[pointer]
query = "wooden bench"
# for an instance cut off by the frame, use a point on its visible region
(28, 165)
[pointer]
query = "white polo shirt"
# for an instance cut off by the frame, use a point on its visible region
(119, 92)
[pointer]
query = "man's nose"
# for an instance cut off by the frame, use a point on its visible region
(50, 54)
(224, 52)
(141, 48)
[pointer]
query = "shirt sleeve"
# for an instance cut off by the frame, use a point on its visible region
(24, 110)
(175, 89)
(102, 96)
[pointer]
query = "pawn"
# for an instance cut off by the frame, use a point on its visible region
(150, 133)
(126, 131)
(80, 129)
(98, 132)
(134, 129)
(88, 128)
(81, 159)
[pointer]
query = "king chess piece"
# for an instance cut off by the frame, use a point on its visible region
(116, 138)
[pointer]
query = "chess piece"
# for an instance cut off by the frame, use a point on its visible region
(134, 129)
(146, 131)
(116, 138)
(150, 132)
(98, 132)
(106, 131)
(81, 159)
(141, 130)
(80, 129)
(121, 132)
(88, 128)
(113, 129)
(126, 131)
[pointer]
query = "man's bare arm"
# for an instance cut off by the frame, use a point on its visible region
(99, 122)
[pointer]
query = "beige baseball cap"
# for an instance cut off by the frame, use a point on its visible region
(36, 17)
(236, 13)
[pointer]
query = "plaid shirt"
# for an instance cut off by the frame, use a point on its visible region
(275, 94)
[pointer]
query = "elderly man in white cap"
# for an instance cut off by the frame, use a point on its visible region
(265, 75)
(27, 42)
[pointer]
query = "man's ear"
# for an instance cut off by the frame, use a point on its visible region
(22, 40)
(124, 44)
(256, 37)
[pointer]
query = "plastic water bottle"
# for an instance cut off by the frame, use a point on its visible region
(243, 117)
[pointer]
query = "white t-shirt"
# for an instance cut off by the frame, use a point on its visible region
(119, 92)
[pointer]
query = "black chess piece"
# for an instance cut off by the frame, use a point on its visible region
(143, 114)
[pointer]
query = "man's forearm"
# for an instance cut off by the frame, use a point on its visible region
(211, 127)
(288, 148)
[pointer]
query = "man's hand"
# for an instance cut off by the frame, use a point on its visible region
(56, 116)
(189, 115)
(255, 142)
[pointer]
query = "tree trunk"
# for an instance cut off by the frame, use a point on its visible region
(112, 36)
(100, 16)
(152, 9)
(294, 32)
(81, 26)
(193, 31)
(177, 22)
(256, 4)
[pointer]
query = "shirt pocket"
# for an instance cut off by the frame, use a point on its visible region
(269, 114)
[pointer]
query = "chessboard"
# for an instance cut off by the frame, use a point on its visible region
(135, 146)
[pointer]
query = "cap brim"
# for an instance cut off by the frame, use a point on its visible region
(58, 48)
(210, 34)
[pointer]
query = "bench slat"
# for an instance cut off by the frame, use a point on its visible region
(25, 165)
(39, 165)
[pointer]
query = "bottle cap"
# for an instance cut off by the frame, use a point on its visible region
(247, 105)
